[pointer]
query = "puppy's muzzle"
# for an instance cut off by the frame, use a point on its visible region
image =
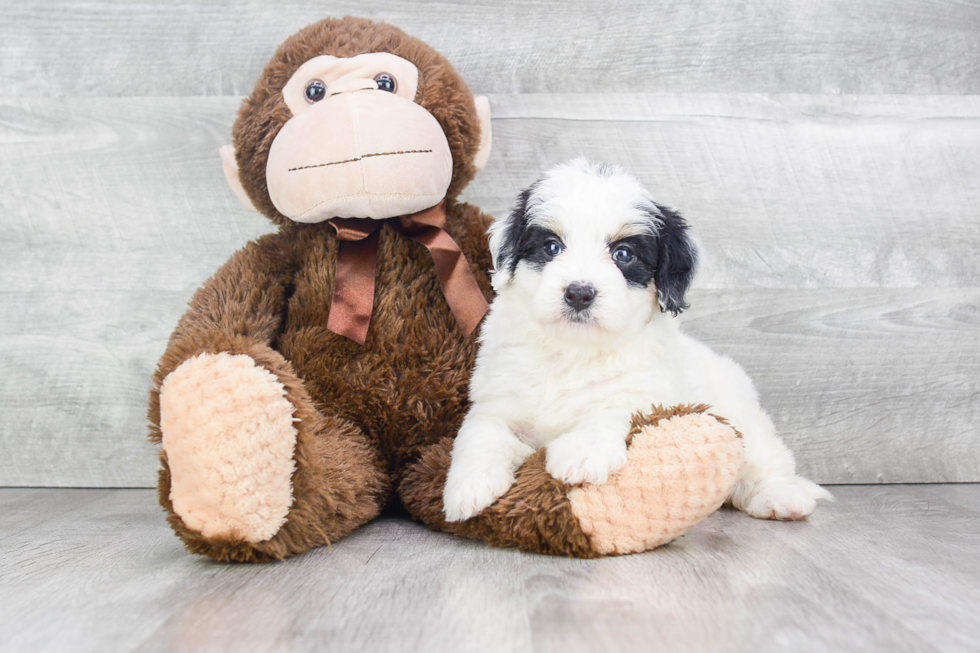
(579, 295)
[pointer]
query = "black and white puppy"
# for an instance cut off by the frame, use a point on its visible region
(589, 274)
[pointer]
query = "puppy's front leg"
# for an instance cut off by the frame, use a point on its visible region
(591, 451)
(485, 456)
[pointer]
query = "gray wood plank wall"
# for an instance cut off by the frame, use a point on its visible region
(827, 154)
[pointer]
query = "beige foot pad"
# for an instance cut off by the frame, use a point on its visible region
(229, 438)
(679, 470)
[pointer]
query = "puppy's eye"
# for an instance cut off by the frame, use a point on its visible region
(315, 91)
(386, 82)
(552, 248)
(623, 255)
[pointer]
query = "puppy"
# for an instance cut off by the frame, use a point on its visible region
(589, 275)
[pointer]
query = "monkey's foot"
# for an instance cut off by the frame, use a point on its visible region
(229, 439)
(682, 464)
(681, 467)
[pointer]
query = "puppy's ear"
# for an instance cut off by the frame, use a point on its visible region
(506, 235)
(677, 263)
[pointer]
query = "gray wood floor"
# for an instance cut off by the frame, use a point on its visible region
(886, 568)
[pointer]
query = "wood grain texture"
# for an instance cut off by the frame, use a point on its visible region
(885, 568)
(786, 191)
(840, 236)
(881, 387)
(112, 215)
(773, 46)
(864, 385)
(809, 191)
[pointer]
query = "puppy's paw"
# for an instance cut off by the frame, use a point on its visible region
(787, 499)
(581, 458)
(470, 489)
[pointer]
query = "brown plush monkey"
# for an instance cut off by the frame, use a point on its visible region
(322, 372)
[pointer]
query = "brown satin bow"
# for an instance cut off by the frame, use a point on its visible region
(353, 294)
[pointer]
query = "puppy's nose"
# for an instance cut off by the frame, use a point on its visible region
(579, 295)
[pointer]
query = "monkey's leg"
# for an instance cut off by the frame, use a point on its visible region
(682, 463)
(251, 470)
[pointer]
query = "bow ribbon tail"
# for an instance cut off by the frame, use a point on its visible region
(459, 286)
(353, 293)
(357, 253)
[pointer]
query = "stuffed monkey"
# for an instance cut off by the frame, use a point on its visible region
(322, 372)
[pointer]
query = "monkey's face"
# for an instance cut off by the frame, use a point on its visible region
(357, 144)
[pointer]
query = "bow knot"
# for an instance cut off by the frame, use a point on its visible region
(353, 295)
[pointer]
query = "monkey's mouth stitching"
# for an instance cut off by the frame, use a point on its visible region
(366, 156)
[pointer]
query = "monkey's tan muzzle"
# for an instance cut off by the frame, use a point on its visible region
(325, 164)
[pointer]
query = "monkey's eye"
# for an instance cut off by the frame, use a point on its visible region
(315, 91)
(386, 82)
(623, 255)
(552, 248)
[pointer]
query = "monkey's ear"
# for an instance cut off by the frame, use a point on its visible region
(483, 113)
(230, 166)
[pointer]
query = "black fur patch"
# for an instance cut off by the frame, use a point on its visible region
(678, 258)
(522, 242)
(514, 228)
(531, 249)
(646, 253)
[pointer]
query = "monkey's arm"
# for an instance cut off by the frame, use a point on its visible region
(238, 311)
(246, 297)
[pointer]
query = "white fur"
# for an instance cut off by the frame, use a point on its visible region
(544, 380)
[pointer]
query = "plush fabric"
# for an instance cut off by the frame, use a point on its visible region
(440, 91)
(328, 69)
(681, 468)
(379, 174)
(253, 388)
(682, 463)
(228, 431)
